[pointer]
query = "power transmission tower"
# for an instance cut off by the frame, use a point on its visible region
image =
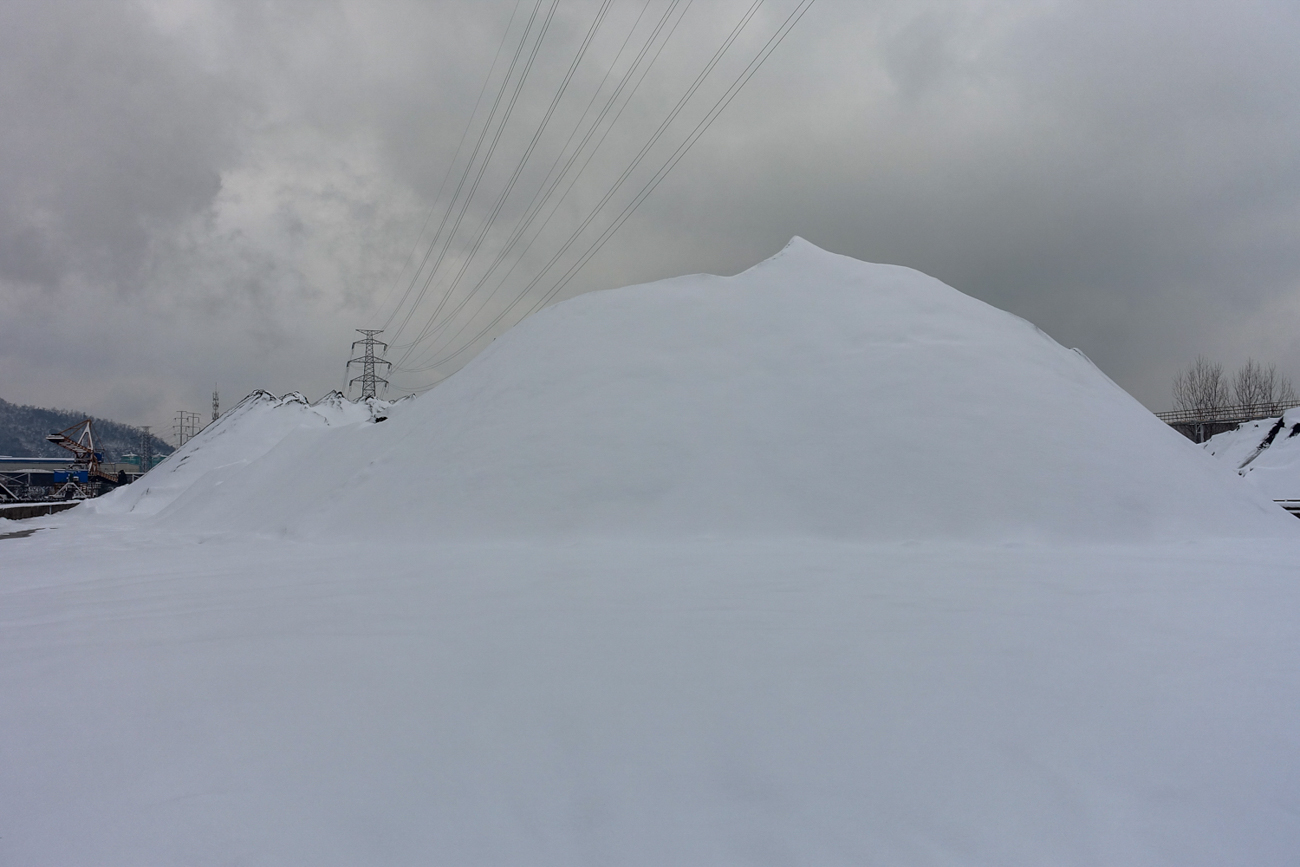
(216, 404)
(368, 379)
(146, 450)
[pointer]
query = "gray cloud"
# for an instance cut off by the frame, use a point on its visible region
(194, 191)
(109, 136)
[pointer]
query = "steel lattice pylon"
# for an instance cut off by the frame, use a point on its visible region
(369, 379)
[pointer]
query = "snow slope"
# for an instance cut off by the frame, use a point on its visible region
(812, 395)
(1266, 453)
(825, 563)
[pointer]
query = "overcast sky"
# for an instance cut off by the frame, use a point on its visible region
(196, 193)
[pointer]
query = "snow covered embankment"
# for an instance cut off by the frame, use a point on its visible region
(1265, 453)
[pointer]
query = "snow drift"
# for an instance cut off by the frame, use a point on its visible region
(812, 395)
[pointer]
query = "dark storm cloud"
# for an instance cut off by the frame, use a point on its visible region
(227, 189)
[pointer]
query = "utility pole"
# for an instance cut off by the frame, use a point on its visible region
(368, 379)
(185, 426)
(216, 403)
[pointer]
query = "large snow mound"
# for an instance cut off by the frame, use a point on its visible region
(1266, 453)
(812, 395)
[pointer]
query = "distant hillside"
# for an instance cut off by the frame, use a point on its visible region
(23, 430)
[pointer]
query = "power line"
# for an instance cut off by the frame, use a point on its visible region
(622, 178)
(438, 326)
(528, 151)
(681, 151)
(445, 177)
(432, 326)
(750, 69)
(496, 138)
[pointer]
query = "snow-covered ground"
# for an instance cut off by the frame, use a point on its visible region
(823, 563)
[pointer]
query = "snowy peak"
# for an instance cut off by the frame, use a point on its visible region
(798, 248)
(802, 253)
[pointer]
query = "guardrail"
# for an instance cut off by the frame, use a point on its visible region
(1225, 414)
(1199, 425)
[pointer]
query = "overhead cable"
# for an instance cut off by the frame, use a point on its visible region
(433, 325)
(437, 199)
(741, 80)
(468, 256)
(663, 127)
(483, 163)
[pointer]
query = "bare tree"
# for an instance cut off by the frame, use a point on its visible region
(1202, 388)
(1251, 384)
(1285, 396)
(1256, 385)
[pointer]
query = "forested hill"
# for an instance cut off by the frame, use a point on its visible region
(23, 430)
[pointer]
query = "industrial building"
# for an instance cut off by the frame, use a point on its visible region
(80, 475)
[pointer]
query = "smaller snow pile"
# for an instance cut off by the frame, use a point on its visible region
(244, 435)
(1266, 453)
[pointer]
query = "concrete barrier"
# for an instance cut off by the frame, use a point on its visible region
(20, 511)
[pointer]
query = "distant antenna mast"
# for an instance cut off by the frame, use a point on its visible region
(216, 403)
(368, 379)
